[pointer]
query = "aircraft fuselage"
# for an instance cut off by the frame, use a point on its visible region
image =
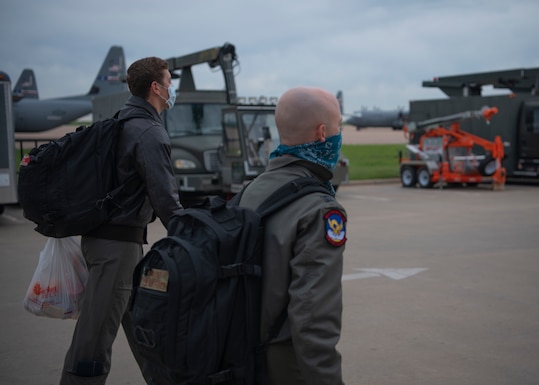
(33, 115)
(361, 119)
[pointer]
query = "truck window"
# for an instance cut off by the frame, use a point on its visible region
(532, 120)
(231, 143)
(262, 136)
(194, 119)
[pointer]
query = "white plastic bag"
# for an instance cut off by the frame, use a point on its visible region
(59, 280)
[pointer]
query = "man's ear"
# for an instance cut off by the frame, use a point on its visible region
(154, 87)
(321, 133)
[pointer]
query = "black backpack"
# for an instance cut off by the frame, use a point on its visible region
(69, 186)
(196, 293)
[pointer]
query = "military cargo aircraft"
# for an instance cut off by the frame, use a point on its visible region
(32, 114)
(395, 119)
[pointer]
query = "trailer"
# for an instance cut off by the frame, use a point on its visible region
(517, 121)
(448, 155)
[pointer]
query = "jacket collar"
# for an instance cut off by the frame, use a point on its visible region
(319, 171)
(137, 103)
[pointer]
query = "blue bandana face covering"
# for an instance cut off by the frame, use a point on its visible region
(323, 153)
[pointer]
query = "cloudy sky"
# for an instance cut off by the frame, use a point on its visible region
(377, 52)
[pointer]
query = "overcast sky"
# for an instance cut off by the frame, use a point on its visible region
(377, 52)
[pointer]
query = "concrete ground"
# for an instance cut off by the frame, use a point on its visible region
(440, 288)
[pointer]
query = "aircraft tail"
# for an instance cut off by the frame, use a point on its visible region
(339, 98)
(111, 78)
(112, 75)
(26, 86)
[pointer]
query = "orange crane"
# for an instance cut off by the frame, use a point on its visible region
(445, 153)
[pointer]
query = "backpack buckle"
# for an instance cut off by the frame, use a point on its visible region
(231, 270)
(223, 376)
(239, 269)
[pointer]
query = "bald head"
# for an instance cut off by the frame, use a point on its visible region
(307, 114)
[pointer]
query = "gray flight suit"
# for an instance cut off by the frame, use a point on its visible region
(302, 270)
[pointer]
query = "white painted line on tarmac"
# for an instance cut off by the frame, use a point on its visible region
(348, 277)
(396, 274)
(12, 219)
(370, 198)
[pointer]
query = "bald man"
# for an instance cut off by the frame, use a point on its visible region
(303, 244)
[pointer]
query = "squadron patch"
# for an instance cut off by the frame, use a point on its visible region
(335, 227)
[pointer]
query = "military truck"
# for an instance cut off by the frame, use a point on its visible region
(219, 141)
(249, 136)
(517, 121)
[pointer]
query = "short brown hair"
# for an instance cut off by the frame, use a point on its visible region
(143, 72)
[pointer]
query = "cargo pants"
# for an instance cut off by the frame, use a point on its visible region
(104, 307)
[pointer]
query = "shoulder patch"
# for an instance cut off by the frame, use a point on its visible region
(335, 227)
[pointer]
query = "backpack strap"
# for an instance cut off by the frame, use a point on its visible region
(111, 199)
(289, 192)
(280, 198)
(286, 194)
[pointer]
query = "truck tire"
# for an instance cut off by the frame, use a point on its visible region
(408, 176)
(488, 166)
(423, 178)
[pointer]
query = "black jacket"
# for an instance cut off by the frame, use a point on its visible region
(144, 150)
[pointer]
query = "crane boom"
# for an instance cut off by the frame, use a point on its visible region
(223, 56)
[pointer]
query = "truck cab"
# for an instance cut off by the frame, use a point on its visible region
(194, 127)
(249, 136)
(220, 141)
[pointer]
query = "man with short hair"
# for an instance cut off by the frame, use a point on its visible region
(113, 250)
(303, 244)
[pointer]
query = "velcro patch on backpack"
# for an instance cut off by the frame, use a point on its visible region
(155, 279)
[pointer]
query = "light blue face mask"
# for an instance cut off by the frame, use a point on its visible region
(171, 95)
(323, 153)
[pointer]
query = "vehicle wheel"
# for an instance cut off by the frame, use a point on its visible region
(488, 166)
(408, 176)
(423, 178)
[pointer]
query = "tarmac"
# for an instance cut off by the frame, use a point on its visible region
(440, 287)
